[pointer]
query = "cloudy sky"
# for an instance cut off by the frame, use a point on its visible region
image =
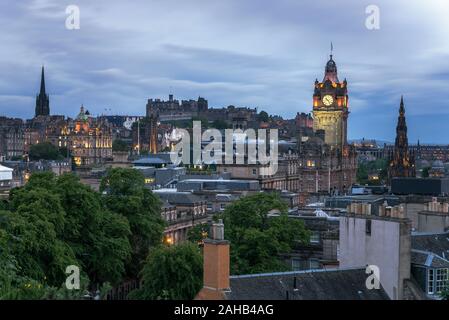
(256, 53)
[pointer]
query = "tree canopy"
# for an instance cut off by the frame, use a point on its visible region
(125, 193)
(263, 116)
(257, 240)
(120, 145)
(172, 273)
(46, 151)
(53, 222)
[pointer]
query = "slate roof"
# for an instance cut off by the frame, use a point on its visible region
(175, 198)
(428, 259)
(342, 284)
(431, 250)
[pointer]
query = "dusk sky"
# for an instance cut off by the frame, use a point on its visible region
(263, 54)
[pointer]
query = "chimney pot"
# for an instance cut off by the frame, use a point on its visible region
(218, 230)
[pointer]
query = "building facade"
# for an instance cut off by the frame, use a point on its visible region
(90, 140)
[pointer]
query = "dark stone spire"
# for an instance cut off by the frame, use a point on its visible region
(42, 81)
(402, 164)
(42, 99)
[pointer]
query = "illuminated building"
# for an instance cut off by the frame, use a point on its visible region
(90, 140)
(330, 107)
(327, 164)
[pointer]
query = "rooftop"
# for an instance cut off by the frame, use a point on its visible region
(335, 284)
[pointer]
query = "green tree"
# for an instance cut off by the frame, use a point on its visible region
(99, 237)
(256, 239)
(125, 194)
(46, 151)
(445, 293)
(362, 174)
(263, 116)
(171, 272)
(425, 172)
(120, 145)
(198, 233)
(77, 227)
(220, 124)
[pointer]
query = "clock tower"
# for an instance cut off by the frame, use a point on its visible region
(330, 107)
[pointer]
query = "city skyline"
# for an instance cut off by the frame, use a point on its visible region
(267, 59)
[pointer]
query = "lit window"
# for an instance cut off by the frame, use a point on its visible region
(310, 163)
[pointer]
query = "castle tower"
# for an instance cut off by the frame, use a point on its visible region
(42, 99)
(330, 107)
(402, 164)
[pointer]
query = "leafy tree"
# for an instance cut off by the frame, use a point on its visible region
(220, 124)
(120, 145)
(425, 172)
(55, 222)
(46, 151)
(362, 174)
(99, 237)
(256, 239)
(33, 241)
(263, 116)
(125, 194)
(171, 272)
(444, 294)
(198, 233)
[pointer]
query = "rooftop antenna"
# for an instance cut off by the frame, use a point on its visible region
(332, 49)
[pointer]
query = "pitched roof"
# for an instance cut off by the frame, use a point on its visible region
(338, 284)
(431, 250)
(437, 243)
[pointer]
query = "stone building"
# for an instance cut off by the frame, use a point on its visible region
(90, 140)
(12, 138)
(173, 109)
(328, 164)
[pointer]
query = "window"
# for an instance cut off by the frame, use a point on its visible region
(254, 172)
(368, 227)
(296, 264)
(222, 206)
(314, 264)
(315, 237)
(430, 274)
(441, 279)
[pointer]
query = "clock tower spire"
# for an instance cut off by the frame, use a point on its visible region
(330, 106)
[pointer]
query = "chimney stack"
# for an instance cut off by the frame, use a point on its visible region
(216, 265)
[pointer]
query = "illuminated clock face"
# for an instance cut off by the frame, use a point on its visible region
(328, 100)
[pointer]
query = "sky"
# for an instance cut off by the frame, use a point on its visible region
(255, 53)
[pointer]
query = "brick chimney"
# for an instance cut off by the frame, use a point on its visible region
(216, 265)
